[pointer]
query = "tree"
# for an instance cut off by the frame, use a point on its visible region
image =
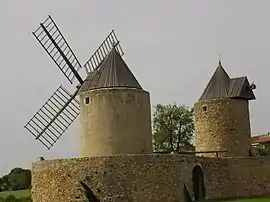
(4, 183)
(173, 128)
(264, 149)
(18, 178)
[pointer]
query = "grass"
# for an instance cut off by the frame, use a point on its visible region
(17, 194)
(27, 192)
(251, 199)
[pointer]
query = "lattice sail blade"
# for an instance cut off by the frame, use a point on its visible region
(99, 55)
(54, 43)
(54, 117)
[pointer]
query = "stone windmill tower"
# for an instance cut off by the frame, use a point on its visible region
(114, 110)
(222, 115)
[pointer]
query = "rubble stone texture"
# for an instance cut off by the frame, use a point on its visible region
(115, 121)
(119, 168)
(147, 178)
(237, 177)
(137, 178)
(223, 124)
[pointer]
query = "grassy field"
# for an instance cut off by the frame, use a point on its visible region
(253, 199)
(250, 200)
(17, 194)
(27, 192)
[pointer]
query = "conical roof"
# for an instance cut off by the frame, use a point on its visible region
(217, 86)
(222, 86)
(113, 72)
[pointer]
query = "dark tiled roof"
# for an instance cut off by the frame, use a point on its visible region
(222, 86)
(113, 72)
(261, 139)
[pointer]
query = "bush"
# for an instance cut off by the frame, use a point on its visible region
(17, 179)
(12, 198)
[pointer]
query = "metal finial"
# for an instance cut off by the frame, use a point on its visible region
(219, 60)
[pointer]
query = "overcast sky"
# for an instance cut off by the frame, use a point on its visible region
(171, 47)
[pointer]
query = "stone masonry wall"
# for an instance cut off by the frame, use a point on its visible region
(237, 177)
(147, 178)
(136, 178)
(223, 124)
(115, 121)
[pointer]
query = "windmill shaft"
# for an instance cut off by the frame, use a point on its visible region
(79, 78)
(55, 117)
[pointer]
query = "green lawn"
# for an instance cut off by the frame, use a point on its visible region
(250, 200)
(253, 199)
(27, 192)
(17, 194)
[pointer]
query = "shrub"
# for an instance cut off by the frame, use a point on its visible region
(12, 198)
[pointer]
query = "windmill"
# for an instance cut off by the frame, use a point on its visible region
(55, 116)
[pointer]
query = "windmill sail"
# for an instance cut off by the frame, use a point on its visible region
(54, 43)
(54, 117)
(99, 55)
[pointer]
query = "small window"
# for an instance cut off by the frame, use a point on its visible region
(204, 108)
(87, 100)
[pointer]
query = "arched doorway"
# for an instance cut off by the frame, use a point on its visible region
(198, 183)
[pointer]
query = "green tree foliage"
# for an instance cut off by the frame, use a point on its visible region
(173, 128)
(17, 179)
(12, 198)
(4, 183)
(264, 149)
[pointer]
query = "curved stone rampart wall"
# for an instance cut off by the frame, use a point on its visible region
(234, 177)
(223, 124)
(148, 178)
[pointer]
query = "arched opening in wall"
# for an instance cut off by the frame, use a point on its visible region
(198, 183)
